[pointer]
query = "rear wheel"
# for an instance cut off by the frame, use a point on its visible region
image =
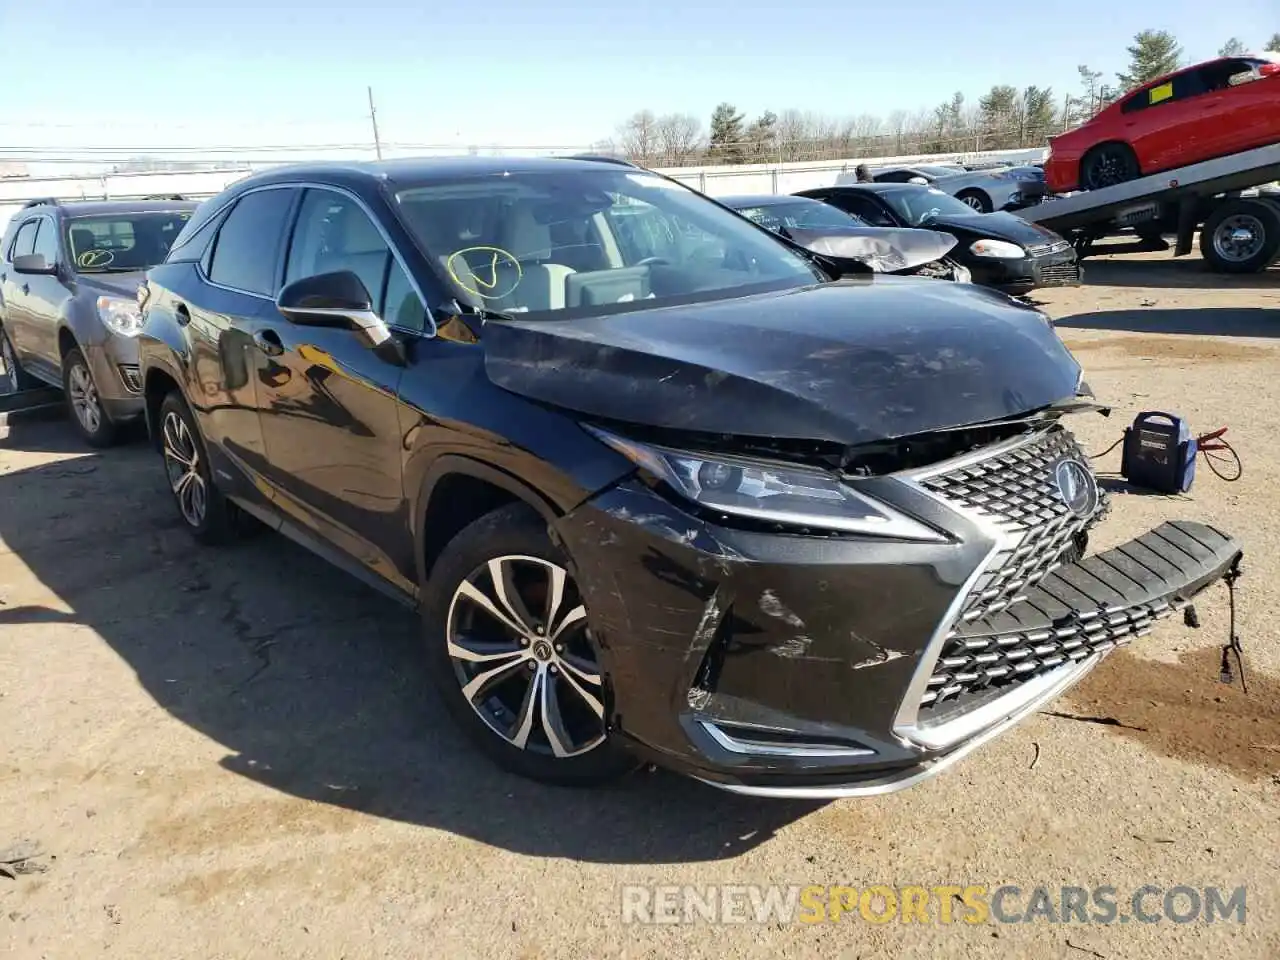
(1107, 165)
(1241, 236)
(12, 377)
(208, 515)
(976, 200)
(513, 656)
(83, 401)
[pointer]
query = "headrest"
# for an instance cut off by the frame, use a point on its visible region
(524, 237)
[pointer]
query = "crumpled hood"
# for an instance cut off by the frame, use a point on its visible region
(884, 249)
(114, 284)
(850, 362)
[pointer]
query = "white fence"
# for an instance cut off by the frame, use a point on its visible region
(717, 181)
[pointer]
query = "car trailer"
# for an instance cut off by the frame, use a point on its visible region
(1238, 234)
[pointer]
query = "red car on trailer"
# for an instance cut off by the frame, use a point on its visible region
(1211, 110)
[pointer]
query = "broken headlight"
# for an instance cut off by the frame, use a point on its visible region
(793, 496)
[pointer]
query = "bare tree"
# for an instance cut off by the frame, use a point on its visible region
(679, 138)
(638, 137)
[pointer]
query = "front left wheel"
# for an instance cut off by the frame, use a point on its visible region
(513, 656)
(84, 402)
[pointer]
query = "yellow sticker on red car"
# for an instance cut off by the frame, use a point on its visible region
(1163, 92)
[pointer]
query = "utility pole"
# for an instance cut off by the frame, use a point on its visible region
(373, 117)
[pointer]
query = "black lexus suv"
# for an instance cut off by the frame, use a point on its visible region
(661, 486)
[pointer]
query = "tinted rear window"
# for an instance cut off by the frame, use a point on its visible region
(247, 250)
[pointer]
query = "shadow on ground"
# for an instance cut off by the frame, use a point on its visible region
(1206, 321)
(1170, 272)
(313, 683)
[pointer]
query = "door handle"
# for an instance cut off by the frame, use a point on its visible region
(26, 288)
(268, 342)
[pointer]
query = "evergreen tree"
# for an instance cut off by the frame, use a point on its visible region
(1232, 48)
(1274, 43)
(1153, 54)
(726, 137)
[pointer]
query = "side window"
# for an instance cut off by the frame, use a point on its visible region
(404, 308)
(24, 241)
(247, 248)
(47, 240)
(867, 209)
(333, 233)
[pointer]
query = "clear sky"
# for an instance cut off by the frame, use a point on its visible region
(133, 73)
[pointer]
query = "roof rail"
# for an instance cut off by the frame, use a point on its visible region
(603, 158)
(42, 201)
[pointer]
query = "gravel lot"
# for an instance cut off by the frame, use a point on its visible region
(235, 754)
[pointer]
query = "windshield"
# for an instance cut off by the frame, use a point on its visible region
(800, 215)
(917, 207)
(123, 242)
(578, 243)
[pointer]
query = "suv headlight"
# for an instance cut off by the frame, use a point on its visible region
(778, 493)
(120, 315)
(997, 248)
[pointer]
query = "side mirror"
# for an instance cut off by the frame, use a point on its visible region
(337, 299)
(34, 263)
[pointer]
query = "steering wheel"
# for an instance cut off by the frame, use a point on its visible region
(651, 261)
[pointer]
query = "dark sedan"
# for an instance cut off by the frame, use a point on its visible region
(824, 229)
(1000, 249)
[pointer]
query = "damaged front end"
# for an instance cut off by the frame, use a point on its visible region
(787, 656)
(855, 541)
(905, 251)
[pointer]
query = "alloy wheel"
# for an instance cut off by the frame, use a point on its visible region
(518, 640)
(1239, 237)
(182, 464)
(84, 398)
(972, 202)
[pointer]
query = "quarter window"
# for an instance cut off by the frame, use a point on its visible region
(246, 252)
(47, 241)
(24, 242)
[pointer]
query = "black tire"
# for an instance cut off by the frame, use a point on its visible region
(14, 377)
(516, 531)
(1259, 217)
(84, 404)
(218, 522)
(1108, 164)
(975, 199)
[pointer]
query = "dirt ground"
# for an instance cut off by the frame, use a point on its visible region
(232, 754)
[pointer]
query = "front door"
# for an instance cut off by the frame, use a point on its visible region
(45, 300)
(327, 403)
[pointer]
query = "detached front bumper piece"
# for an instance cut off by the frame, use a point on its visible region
(809, 666)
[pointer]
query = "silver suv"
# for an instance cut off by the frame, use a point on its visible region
(69, 278)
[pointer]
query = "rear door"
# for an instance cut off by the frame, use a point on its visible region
(329, 410)
(240, 275)
(1167, 122)
(1240, 110)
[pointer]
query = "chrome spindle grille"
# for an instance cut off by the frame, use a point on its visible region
(974, 665)
(1015, 490)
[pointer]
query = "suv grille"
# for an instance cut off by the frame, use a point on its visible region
(1015, 491)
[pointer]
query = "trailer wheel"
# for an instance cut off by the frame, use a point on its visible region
(1108, 164)
(1241, 236)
